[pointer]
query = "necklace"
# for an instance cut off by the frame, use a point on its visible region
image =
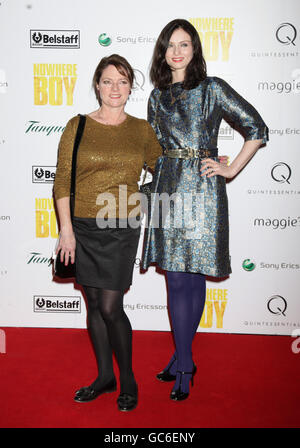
(107, 121)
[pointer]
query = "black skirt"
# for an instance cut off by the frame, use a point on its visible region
(104, 257)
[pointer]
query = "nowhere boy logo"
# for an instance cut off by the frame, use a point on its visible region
(216, 35)
(54, 84)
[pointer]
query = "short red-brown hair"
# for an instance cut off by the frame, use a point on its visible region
(121, 64)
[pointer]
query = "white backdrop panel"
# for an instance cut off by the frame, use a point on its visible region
(254, 46)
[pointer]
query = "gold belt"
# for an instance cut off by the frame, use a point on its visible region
(188, 153)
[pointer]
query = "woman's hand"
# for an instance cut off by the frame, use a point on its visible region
(223, 159)
(212, 167)
(66, 245)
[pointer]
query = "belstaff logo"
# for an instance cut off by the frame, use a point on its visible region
(37, 37)
(55, 39)
(281, 172)
(56, 304)
(43, 174)
(286, 34)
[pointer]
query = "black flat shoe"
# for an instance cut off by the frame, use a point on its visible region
(86, 394)
(127, 402)
(178, 394)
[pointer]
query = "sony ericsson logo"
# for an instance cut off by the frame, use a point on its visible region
(286, 34)
(104, 40)
(248, 265)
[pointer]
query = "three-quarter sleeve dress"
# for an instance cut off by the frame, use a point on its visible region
(193, 235)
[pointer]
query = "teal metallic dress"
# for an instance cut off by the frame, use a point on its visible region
(191, 233)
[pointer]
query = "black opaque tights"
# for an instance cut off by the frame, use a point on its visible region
(110, 331)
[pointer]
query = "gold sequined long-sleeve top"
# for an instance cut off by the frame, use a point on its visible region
(110, 160)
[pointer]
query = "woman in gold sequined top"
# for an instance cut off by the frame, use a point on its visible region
(112, 152)
(185, 109)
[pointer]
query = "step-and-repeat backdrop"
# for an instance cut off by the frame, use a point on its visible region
(49, 51)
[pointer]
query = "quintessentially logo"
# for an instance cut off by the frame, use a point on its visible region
(104, 40)
(277, 305)
(286, 34)
(216, 35)
(139, 80)
(248, 265)
(55, 39)
(281, 172)
(54, 84)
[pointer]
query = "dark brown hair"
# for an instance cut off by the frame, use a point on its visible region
(121, 64)
(160, 72)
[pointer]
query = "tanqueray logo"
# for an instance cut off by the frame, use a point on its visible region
(104, 40)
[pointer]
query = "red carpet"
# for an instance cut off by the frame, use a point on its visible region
(242, 381)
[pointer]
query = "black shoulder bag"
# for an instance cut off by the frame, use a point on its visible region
(59, 267)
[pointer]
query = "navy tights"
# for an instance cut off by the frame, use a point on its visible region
(187, 292)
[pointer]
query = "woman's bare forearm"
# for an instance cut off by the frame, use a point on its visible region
(64, 214)
(247, 152)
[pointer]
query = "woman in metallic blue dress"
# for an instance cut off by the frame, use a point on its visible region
(188, 236)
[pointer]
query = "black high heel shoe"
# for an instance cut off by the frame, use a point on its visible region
(178, 394)
(165, 375)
